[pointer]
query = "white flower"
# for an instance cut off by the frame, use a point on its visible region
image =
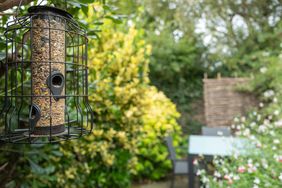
(280, 177)
(246, 132)
(263, 69)
(277, 157)
(276, 112)
(255, 186)
(258, 144)
(261, 104)
(278, 123)
(251, 168)
(258, 117)
(225, 170)
(268, 93)
(130, 23)
(274, 148)
(200, 172)
(265, 54)
(172, 5)
(253, 124)
(275, 100)
(217, 174)
(257, 181)
(272, 133)
(262, 128)
(236, 119)
(195, 162)
(157, 32)
(276, 141)
(265, 165)
(243, 119)
(236, 177)
(205, 179)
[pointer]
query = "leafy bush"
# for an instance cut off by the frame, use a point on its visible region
(159, 120)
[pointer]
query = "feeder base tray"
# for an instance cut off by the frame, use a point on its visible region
(42, 131)
(32, 135)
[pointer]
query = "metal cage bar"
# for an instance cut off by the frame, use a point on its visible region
(59, 76)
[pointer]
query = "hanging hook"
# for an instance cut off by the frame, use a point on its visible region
(17, 11)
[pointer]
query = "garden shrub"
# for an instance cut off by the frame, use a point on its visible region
(159, 121)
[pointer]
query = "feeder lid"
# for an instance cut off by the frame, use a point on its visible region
(38, 9)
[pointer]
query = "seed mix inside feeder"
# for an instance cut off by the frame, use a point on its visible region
(51, 78)
(48, 68)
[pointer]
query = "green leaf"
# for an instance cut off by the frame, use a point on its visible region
(57, 153)
(85, 10)
(98, 23)
(87, 1)
(109, 8)
(75, 4)
(35, 167)
(93, 32)
(115, 18)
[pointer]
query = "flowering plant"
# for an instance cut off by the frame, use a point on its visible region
(262, 167)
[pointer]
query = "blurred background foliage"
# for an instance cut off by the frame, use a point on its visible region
(139, 49)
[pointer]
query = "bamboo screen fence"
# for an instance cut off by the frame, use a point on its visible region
(223, 102)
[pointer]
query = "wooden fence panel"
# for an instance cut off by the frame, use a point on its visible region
(223, 102)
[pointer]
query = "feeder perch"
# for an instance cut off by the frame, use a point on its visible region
(46, 95)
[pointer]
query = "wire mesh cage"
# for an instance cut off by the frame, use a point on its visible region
(46, 86)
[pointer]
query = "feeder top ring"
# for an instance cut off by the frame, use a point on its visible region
(39, 9)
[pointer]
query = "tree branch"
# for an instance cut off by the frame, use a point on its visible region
(7, 4)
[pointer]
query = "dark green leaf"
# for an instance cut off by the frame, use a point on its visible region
(115, 18)
(85, 10)
(98, 23)
(93, 32)
(35, 167)
(87, 1)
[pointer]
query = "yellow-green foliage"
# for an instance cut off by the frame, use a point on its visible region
(159, 120)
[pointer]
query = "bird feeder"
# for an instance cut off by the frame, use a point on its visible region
(46, 86)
